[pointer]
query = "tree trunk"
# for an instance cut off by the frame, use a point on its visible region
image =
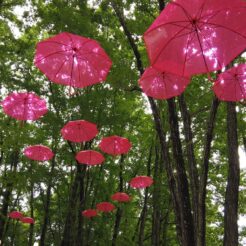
(201, 237)
(187, 226)
(31, 228)
(47, 205)
(232, 189)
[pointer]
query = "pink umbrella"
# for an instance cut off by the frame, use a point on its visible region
(15, 215)
(79, 131)
(27, 220)
(120, 197)
(162, 85)
(24, 106)
(140, 182)
(105, 207)
(193, 37)
(115, 145)
(72, 60)
(38, 153)
(231, 84)
(89, 213)
(90, 157)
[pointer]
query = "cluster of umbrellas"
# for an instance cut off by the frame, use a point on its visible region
(190, 38)
(74, 61)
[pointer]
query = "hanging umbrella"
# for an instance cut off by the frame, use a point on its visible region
(24, 106)
(120, 197)
(72, 60)
(115, 145)
(90, 157)
(15, 215)
(162, 85)
(27, 220)
(231, 84)
(38, 153)
(105, 207)
(79, 131)
(89, 213)
(193, 37)
(140, 182)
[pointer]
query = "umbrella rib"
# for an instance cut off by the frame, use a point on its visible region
(71, 74)
(221, 26)
(55, 42)
(200, 44)
(242, 90)
(51, 54)
(59, 69)
(184, 10)
(169, 41)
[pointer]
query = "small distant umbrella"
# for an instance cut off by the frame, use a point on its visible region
(231, 84)
(89, 213)
(105, 207)
(115, 145)
(140, 182)
(27, 220)
(90, 157)
(120, 197)
(162, 85)
(72, 60)
(79, 131)
(15, 215)
(38, 153)
(24, 106)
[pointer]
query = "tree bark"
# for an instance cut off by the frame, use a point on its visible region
(201, 237)
(47, 205)
(232, 189)
(187, 226)
(31, 228)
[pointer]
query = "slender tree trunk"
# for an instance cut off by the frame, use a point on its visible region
(232, 189)
(187, 226)
(14, 158)
(192, 169)
(31, 228)
(144, 211)
(201, 237)
(156, 216)
(119, 210)
(47, 205)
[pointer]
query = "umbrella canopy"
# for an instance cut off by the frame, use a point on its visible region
(72, 60)
(89, 213)
(38, 153)
(105, 207)
(24, 106)
(231, 84)
(15, 215)
(162, 85)
(140, 182)
(27, 220)
(120, 197)
(193, 37)
(90, 157)
(79, 131)
(115, 145)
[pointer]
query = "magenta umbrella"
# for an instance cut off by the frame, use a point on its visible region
(193, 37)
(27, 220)
(120, 197)
(162, 85)
(115, 145)
(141, 182)
(105, 207)
(231, 84)
(89, 213)
(79, 131)
(15, 215)
(90, 157)
(72, 60)
(24, 106)
(38, 153)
